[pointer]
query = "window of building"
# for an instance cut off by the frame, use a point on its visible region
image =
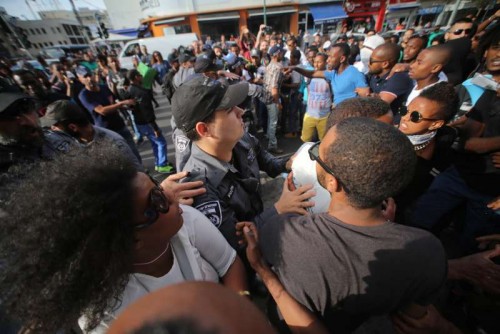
(43, 30)
(37, 31)
(53, 30)
(81, 41)
(32, 31)
(51, 44)
(67, 29)
(76, 31)
(73, 40)
(58, 29)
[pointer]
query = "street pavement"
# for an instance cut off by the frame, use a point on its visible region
(271, 188)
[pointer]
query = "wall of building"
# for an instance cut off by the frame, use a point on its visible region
(124, 14)
(50, 32)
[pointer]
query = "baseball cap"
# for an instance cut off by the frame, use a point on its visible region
(275, 49)
(8, 102)
(230, 58)
(372, 42)
(172, 58)
(186, 56)
(205, 63)
(200, 97)
(63, 111)
(82, 70)
(327, 45)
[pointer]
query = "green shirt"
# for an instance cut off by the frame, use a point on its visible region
(148, 75)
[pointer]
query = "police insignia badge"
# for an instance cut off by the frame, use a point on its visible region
(181, 143)
(212, 211)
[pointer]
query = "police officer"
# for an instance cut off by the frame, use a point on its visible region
(227, 159)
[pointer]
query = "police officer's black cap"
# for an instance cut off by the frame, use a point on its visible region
(63, 111)
(172, 58)
(205, 63)
(8, 102)
(200, 97)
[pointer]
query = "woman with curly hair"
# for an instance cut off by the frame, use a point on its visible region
(85, 235)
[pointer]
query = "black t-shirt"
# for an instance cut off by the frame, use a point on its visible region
(478, 170)
(143, 109)
(346, 273)
(425, 172)
(399, 85)
(459, 52)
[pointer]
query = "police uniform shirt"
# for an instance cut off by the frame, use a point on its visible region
(233, 189)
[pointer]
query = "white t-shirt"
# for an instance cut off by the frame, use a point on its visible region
(304, 172)
(207, 254)
(416, 92)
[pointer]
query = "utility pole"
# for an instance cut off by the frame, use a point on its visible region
(82, 29)
(31, 9)
(454, 12)
(265, 14)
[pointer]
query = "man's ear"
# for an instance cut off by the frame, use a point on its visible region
(332, 185)
(437, 68)
(436, 125)
(202, 129)
(73, 127)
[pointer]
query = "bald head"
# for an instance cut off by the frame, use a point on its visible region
(206, 306)
(438, 54)
(388, 51)
(429, 63)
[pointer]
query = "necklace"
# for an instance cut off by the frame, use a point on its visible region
(154, 260)
(421, 146)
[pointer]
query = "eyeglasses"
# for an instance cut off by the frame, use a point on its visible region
(373, 61)
(460, 31)
(415, 116)
(158, 204)
(314, 156)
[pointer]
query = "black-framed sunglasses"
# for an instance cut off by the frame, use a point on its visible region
(415, 116)
(460, 31)
(314, 156)
(158, 204)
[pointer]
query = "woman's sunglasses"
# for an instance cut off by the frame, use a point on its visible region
(158, 204)
(415, 116)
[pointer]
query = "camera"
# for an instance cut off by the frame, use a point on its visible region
(268, 29)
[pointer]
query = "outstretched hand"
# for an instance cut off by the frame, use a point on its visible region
(478, 269)
(249, 235)
(183, 192)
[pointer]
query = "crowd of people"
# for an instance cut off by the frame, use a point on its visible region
(388, 220)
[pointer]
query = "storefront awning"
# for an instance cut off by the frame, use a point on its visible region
(430, 10)
(329, 12)
(272, 11)
(219, 16)
(403, 6)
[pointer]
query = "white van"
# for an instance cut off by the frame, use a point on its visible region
(163, 44)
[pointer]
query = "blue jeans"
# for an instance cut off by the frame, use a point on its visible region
(293, 113)
(446, 193)
(125, 133)
(131, 117)
(159, 144)
(272, 122)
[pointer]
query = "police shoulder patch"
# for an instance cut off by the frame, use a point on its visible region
(181, 143)
(212, 211)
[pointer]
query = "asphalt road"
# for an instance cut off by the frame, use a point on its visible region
(271, 188)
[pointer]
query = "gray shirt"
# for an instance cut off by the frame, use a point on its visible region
(347, 273)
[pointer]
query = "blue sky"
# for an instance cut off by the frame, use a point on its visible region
(21, 9)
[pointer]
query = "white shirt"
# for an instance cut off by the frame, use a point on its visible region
(416, 92)
(203, 251)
